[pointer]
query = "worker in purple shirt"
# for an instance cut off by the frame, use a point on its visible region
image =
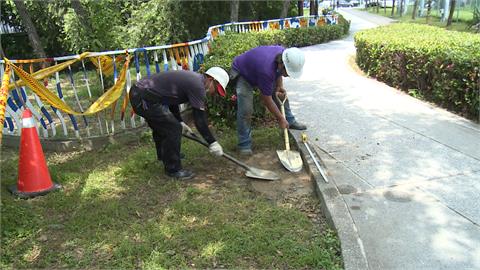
(157, 99)
(263, 67)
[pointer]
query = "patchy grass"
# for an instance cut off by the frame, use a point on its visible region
(118, 210)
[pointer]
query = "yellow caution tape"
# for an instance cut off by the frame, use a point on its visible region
(43, 73)
(106, 63)
(110, 96)
(3, 98)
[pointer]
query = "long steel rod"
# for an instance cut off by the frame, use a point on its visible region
(324, 175)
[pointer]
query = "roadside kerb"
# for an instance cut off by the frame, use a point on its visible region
(334, 207)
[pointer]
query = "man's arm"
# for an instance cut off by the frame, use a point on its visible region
(279, 90)
(201, 122)
(272, 107)
(175, 110)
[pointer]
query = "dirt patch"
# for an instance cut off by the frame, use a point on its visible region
(352, 64)
(290, 184)
(293, 190)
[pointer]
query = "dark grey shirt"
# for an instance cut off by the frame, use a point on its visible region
(176, 87)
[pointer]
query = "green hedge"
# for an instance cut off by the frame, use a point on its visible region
(427, 62)
(226, 47)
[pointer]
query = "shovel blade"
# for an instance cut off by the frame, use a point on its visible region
(291, 160)
(261, 174)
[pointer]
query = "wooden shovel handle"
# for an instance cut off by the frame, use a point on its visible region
(285, 131)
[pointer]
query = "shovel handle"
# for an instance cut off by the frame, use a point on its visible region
(194, 137)
(285, 131)
(282, 102)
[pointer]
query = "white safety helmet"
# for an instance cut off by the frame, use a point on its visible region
(221, 76)
(293, 59)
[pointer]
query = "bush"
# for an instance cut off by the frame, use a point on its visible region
(226, 47)
(435, 64)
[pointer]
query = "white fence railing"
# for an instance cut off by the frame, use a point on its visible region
(79, 86)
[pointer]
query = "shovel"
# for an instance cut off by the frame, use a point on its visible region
(291, 160)
(251, 171)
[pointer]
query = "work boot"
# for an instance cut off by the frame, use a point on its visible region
(181, 174)
(298, 126)
(245, 152)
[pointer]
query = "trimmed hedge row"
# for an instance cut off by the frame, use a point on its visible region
(427, 62)
(226, 47)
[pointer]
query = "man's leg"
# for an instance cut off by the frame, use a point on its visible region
(158, 143)
(167, 135)
(244, 114)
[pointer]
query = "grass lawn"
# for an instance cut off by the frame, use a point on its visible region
(117, 210)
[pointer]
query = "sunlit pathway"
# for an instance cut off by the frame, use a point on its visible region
(408, 172)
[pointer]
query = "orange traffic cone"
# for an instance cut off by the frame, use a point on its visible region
(33, 176)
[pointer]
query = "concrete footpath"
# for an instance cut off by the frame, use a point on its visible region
(404, 190)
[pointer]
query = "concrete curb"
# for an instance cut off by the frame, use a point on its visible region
(334, 207)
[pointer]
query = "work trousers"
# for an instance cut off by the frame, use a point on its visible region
(245, 112)
(166, 130)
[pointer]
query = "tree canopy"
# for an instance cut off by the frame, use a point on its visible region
(74, 26)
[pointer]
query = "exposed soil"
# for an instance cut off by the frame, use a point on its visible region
(293, 190)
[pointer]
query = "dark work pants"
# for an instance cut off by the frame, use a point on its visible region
(166, 130)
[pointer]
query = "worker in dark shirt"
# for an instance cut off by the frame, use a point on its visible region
(157, 99)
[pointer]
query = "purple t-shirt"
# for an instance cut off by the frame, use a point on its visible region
(258, 67)
(178, 87)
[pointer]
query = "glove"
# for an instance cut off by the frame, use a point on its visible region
(185, 128)
(216, 149)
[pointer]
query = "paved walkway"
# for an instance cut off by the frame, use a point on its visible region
(407, 174)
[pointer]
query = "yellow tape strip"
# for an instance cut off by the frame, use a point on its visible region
(113, 93)
(3, 98)
(44, 94)
(106, 63)
(43, 73)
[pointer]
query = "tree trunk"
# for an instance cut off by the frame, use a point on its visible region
(234, 4)
(421, 8)
(400, 10)
(2, 54)
(393, 8)
(429, 8)
(30, 28)
(313, 7)
(286, 5)
(300, 8)
(79, 10)
(415, 7)
(452, 10)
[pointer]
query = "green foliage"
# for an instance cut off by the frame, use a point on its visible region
(46, 16)
(476, 17)
(442, 66)
(159, 22)
(120, 24)
(153, 23)
(226, 47)
(99, 31)
(263, 10)
(18, 46)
